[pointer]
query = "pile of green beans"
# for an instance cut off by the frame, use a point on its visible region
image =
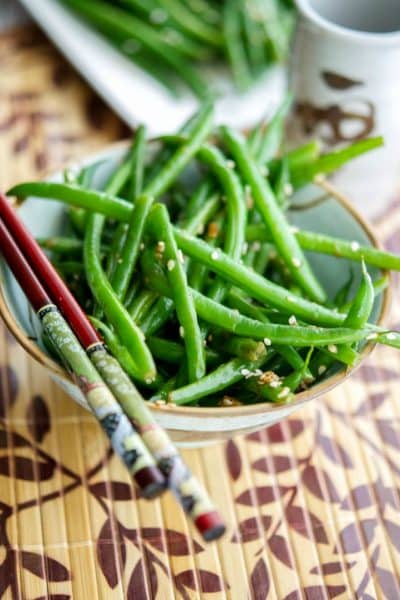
(167, 38)
(187, 264)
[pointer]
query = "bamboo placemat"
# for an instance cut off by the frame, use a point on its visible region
(312, 503)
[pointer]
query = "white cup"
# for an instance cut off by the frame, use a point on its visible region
(345, 76)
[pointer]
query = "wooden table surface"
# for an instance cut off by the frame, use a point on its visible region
(312, 504)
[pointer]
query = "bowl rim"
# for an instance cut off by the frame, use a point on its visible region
(191, 411)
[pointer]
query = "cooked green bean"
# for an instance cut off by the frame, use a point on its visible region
(223, 377)
(129, 252)
(255, 285)
(140, 305)
(234, 45)
(184, 305)
(363, 302)
(331, 162)
(271, 141)
(325, 244)
(275, 220)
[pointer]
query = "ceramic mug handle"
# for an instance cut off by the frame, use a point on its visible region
(345, 77)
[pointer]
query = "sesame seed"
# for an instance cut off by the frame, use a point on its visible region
(158, 15)
(275, 384)
(333, 348)
(319, 178)
(200, 230)
(245, 248)
(273, 254)
(210, 337)
(160, 403)
(283, 393)
(160, 246)
(372, 336)
(288, 189)
(267, 341)
(264, 171)
(294, 229)
(355, 246)
(215, 255)
(170, 264)
(321, 369)
(230, 164)
(149, 380)
(119, 261)
(391, 336)
(292, 320)
(141, 247)
(245, 372)
(290, 298)
(204, 342)
(256, 246)
(180, 256)
(181, 332)
(296, 263)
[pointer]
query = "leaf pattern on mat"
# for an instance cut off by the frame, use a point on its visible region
(259, 581)
(108, 554)
(44, 566)
(25, 468)
(233, 460)
(38, 418)
(8, 389)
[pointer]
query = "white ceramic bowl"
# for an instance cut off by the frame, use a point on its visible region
(193, 426)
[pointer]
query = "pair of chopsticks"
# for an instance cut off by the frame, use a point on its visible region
(141, 443)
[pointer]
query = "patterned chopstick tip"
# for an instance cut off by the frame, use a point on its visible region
(124, 437)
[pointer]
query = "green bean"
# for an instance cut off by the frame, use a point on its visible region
(275, 220)
(245, 348)
(161, 227)
(160, 313)
(197, 222)
(262, 258)
(116, 349)
(69, 267)
(140, 305)
(62, 245)
(175, 165)
(331, 162)
(255, 285)
(196, 201)
(92, 200)
(236, 209)
(272, 139)
(105, 15)
(136, 157)
(234, 46)
(198, 272)
(174, 353)
(325, 244)
(129, 252)
(129, 334)
(254, 39)
(363, 302)
(230, 320)
(303, 155)
(77, 217)
(223, 376)
(191, 24)
(283, 187)
(345, 354)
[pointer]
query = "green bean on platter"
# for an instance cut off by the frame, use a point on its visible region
(208, 298)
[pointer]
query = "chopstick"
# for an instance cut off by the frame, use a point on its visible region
(125, 440)
(187, 489)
